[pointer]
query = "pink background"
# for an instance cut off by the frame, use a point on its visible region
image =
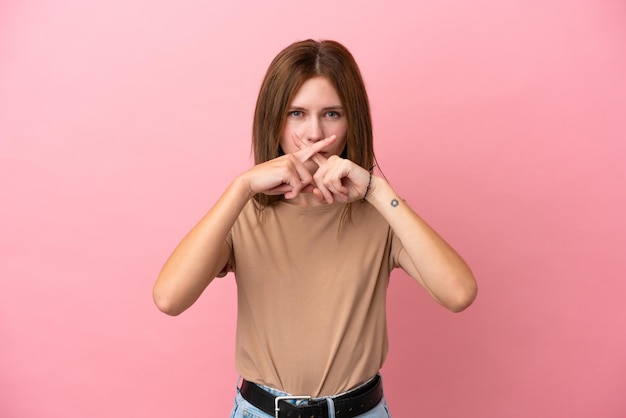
(502, 122)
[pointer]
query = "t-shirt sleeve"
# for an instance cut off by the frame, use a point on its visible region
(230, 265)
(395, 248)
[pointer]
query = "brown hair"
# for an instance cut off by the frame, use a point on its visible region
(293, 66)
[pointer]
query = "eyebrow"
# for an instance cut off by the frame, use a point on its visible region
(338, 107)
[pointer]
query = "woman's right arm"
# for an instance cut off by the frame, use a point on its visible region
(203, 252)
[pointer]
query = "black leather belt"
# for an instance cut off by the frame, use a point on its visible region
(348, 405)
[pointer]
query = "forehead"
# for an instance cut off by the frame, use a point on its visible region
(316, 90)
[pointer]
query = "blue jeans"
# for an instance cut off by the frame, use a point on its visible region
(243, 409)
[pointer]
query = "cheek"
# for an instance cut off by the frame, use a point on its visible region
(341, 146)
(286, 142)
(342, 130)
(342, 135)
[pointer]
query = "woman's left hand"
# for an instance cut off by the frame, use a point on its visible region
(336, 179)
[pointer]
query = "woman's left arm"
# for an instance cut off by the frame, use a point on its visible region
(426, 257)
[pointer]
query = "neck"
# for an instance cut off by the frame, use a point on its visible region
(305, 200)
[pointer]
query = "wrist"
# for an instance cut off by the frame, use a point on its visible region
(369, 185)
(242, 184)
(379, 191)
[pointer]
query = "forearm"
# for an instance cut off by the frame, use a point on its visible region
(428, 258)
(201, 254)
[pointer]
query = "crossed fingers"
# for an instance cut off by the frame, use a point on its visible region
(311, 151)
(329, 177)
(294, 177)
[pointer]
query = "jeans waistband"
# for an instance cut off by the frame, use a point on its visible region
(348, 404)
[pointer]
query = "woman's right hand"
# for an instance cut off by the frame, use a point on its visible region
(285, 175)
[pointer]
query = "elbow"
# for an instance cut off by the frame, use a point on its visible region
(165, 303)
(464, 297)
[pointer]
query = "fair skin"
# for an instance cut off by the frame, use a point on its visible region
(315, 113)
(312, 173)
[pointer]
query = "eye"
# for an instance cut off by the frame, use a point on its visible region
(333, 114)
(296, 113)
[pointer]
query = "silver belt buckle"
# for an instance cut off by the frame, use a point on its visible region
(285, 398)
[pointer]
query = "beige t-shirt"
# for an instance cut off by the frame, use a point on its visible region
(311, 296)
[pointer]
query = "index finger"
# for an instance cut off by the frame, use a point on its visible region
(309, 151)
(317, 158)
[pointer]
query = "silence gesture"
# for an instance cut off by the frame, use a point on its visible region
(287, 174)
(336, 178)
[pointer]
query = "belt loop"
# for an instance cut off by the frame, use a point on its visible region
(331, 407)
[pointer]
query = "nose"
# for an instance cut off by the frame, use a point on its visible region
(314, 130)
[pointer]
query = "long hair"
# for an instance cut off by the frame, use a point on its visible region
(293, 66)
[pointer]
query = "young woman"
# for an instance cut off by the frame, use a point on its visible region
(312, 234)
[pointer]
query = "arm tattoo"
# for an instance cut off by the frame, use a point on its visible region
(394, 202)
